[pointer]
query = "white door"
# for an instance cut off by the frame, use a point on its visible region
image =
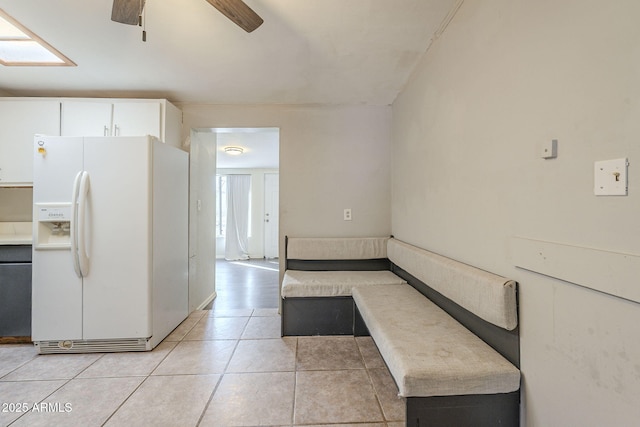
(271, 200)
(116, 290)
(83, 118)
(136, 119)
(56, 290)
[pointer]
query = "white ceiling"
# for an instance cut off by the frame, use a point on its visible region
(260, 145)
(306, 52)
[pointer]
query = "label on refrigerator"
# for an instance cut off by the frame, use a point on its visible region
(57, 212)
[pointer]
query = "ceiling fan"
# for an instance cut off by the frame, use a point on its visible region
(129, 11)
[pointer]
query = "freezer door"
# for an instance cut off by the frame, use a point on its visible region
(117, 293)
(56, 161)
(56, 290)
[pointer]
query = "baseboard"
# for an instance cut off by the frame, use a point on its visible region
(15, 340)
(207, 301)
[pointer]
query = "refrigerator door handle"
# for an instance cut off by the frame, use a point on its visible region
(83, 192)
(73, 235)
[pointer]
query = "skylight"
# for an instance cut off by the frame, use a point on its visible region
(19, 46)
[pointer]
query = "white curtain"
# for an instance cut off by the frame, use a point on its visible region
(237, 234)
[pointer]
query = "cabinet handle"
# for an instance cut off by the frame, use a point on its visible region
(106, 131)
(116, 130)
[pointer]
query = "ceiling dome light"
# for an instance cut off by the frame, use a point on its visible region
(234, 151)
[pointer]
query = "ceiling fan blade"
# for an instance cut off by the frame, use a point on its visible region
(238, 12)
(127, 11)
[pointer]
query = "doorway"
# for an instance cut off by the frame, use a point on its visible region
(246, 261)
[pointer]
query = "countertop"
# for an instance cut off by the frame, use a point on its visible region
(15, 233)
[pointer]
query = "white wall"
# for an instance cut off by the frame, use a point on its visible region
(467, 176)
(331, 158)
(202, 251)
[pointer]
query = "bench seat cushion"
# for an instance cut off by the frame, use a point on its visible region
(427, 351)
(487, 295)
(333, 283)
(318, 248)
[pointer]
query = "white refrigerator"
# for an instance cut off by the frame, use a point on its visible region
(110, 243)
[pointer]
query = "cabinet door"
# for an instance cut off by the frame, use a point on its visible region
(85, 118)
(20, 120)
(15, 300)
(136, 119)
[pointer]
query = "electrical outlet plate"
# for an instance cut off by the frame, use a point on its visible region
(610, 177)
(347, 214)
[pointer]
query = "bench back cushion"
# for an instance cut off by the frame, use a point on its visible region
(327, 248)
(488, 296)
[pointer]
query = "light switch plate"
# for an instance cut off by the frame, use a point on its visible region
(610, 177)
(550, 149)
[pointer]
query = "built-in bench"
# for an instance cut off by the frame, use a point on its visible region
(454, 355)
(320, 274)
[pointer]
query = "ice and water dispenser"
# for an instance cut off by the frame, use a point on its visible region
(53, 226)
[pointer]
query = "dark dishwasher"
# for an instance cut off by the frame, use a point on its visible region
(15, 291)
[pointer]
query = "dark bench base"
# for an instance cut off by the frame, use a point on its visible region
(340, 316)
(321, 316)
(474, 410)
(477, 410)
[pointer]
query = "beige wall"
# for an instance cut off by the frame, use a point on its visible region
(331, 158)
(467, 176)
(16, 204)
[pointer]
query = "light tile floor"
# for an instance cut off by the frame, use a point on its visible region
(218, 368)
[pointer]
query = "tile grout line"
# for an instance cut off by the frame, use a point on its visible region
(373, 386)
(66, 381)
(141, 378)
(296, 370)
(382, 421)
(44, 398)
(150, 374)
(206, 406)
(19, 366)
(146, 377)
(125, 400)
(224, 371)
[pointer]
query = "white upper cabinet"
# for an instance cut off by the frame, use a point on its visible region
(122, 117)
(82, 118)
(20, 120)
(137, 118)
